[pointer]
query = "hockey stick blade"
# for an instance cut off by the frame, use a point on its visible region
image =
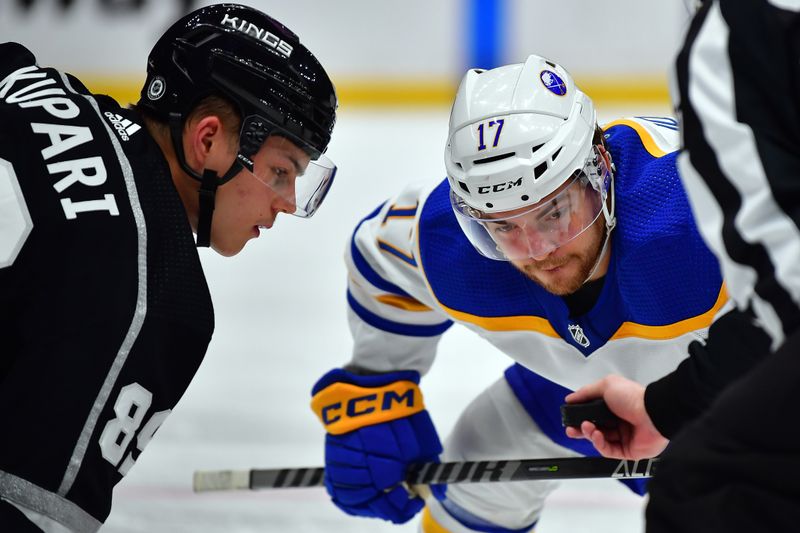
(428, 473)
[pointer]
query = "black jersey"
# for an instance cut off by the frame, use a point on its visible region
(105, 313)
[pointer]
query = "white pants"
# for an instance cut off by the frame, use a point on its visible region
(495, 426)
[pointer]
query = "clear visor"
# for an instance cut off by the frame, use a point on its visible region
(298, 174)
(537, 230)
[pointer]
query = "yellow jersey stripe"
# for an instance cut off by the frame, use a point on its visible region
(647, 139)
(505, 323)
(671, 331)
(402, 302)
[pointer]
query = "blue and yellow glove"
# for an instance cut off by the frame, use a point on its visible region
(377, 425)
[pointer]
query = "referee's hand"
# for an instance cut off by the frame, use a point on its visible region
(635, 437)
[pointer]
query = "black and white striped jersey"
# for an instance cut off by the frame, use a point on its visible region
(105, 313)
(737, 94)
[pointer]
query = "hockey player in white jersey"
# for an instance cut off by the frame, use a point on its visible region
(569, 247)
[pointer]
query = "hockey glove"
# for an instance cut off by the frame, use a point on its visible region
(377, 425)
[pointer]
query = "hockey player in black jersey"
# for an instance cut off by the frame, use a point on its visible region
(105, 313)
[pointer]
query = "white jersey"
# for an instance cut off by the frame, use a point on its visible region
(413, 273)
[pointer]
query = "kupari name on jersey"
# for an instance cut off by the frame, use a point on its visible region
(31, 87)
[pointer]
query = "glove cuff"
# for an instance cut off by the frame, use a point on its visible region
(340, 375)
(344, 407)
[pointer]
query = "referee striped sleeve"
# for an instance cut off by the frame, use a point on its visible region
(741, 159)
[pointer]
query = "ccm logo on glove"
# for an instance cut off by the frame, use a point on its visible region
(344, 407)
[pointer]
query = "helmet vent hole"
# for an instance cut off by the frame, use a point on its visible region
(463, 186)
(533, 150)
(539, 170)
(555, 154)
(525, 198)
(553, 65)
(489, 205)
(492, 159)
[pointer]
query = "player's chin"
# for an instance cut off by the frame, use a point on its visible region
(230, 247)
(560, 282)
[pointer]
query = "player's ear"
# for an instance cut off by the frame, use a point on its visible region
(205, 139)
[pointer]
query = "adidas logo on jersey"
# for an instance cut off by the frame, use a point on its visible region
(125, 128)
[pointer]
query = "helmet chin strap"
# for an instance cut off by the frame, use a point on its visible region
(611, 223)
(209, 181)
(208, 194)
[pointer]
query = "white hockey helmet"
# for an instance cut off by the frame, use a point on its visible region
(520, 134)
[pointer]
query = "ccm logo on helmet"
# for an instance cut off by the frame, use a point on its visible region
(366, 404)
(486, 189)
(262, 35)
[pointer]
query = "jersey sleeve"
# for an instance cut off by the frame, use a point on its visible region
(735, 85)
(735, 344)
(659, 135)
(738, 165)
(393, 317)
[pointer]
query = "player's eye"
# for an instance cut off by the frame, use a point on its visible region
(280, 176)
(504, 229)
(555, 214)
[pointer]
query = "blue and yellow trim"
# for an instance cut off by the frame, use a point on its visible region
(405, 303)
(505, 323)
(363, 266)
(398, 328)
(626, 330)
(397, 252)
(672, 331)
(647, 140)
(400, 212)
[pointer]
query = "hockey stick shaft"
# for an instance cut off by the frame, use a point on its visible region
(428, 473)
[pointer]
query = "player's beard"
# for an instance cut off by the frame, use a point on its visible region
(581, 263)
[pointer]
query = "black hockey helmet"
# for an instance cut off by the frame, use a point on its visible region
(258, 64)
(250, 58)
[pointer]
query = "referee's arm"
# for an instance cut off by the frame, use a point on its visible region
(736, 90)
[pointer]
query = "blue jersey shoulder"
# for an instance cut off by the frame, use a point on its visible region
(664, 269)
